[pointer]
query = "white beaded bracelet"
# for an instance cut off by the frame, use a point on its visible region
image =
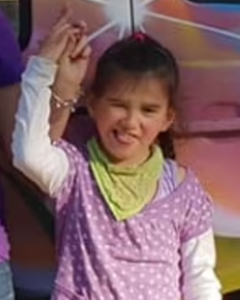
(61, 103)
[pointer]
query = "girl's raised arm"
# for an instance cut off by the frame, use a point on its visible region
(64, 52)
(33, 153)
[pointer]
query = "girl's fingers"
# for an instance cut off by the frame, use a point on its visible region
(72, 41)
(86, 52)
(82, 25)
(61, 22)
(61, 30)
(66, 8)
(59, 38)
(65, 31)
(56, 43)
(65, 16)
(81, 44)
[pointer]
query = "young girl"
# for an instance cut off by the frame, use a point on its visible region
(131, 224)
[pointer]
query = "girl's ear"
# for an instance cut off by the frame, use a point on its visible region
(170, 118)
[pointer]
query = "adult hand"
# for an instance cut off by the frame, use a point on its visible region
(55, 43)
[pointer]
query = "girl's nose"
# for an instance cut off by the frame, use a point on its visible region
(131, 120)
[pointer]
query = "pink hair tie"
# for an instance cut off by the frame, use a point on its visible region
(139, 36)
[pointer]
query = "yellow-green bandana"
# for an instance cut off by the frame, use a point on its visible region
(126, 190)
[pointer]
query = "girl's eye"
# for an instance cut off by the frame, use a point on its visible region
(118, 104)
(150, 110)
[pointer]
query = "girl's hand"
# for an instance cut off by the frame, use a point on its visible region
(73, 64)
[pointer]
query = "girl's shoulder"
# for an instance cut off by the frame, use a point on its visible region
(183, 179)
(181, 173)
(174, 172)
(177, 171)
(190, 201)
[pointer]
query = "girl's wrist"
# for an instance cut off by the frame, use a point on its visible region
(64, 103)
(66, 97)
(65, 91)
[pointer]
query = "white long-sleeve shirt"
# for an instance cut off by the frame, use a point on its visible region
(48, 166)
(33, 153)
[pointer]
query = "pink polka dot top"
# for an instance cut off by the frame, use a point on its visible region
(100, 258)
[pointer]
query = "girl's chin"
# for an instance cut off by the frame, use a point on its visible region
(121, 158)
(124, 157)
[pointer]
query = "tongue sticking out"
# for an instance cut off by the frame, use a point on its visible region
(124, 138)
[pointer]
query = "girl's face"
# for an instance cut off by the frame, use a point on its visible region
(129, 117)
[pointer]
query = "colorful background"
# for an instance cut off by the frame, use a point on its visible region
(205, 38)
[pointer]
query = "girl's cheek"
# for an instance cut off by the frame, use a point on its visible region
(117, 113)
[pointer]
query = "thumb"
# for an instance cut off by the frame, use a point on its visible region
(72, 41)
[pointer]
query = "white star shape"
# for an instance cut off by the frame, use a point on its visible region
(119, 14)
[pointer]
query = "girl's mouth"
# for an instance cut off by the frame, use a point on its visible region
(123, 137)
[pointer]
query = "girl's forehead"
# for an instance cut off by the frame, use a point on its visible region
(135, 85)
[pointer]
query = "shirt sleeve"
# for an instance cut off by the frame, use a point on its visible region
(197, 213)
(73, 178)
(33, 153)
(198, 259)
